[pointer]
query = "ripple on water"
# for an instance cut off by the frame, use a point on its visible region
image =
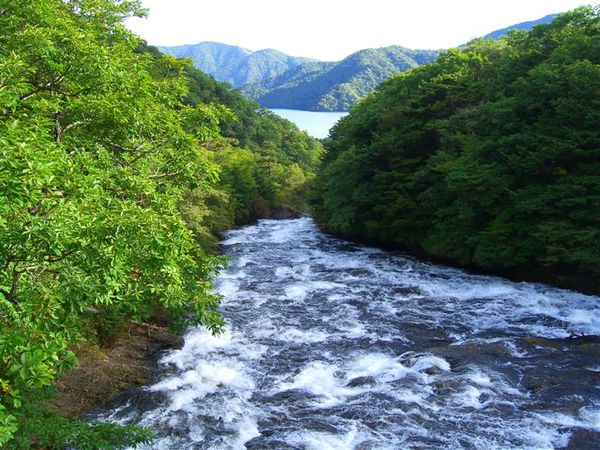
(332, 345)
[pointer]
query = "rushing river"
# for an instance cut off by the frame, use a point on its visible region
(332, 345)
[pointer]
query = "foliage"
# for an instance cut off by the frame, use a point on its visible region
(489, 157)
(51, 431)
(327, 86)
(95, 155)
(265, 160)
(117, 167)
(236, 65)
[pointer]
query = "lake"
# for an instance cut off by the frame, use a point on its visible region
(316, 124)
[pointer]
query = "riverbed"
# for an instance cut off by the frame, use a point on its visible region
(334, 345)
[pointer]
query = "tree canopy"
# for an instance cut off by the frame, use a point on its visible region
(489, 157)
(336, 86)
(117, 165)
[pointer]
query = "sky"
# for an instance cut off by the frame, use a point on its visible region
(332, 29)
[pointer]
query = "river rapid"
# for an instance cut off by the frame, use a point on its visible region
(334, 345)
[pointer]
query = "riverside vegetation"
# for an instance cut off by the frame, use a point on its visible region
(489, 157)
(118, 164)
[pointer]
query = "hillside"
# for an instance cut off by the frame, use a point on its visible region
(488, 158)
(236, 65)
(336, 86)
(277, 80)
(520, 26)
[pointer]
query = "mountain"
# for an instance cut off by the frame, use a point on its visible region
(277, 80)
(520, 26)
(236, 65)
(327, 86)
(336, 86)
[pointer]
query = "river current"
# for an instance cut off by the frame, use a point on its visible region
(334, 345)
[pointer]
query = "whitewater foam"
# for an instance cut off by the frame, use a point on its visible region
(331, 345)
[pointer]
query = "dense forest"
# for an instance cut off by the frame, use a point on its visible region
(277, 80)
(488, 158)
(336, 86)
(236, 65)
(118, 165)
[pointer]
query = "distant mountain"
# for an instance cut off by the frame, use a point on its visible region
(277, 80)
(520, 26)
(336, 86)
(236, 65)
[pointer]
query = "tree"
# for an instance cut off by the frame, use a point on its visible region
(95, 155)
(488, 157)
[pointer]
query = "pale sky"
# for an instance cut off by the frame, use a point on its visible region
(332, 29)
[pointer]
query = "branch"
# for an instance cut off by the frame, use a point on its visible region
(57, 126)
(6, 295)
(76, 124)
(136, 150)
(46, 86)
(122, 147)
(64, 254)
(166, 174)
(11, 295)
(59, 130)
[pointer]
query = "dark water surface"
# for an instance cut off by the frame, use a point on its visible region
(331, 345)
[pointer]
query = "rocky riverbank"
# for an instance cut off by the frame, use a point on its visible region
(104, 372)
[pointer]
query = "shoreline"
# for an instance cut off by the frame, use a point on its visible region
(581, 283)
(131, 360)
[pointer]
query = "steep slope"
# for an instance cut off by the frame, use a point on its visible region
(488, 158)
(337, 86)
(277, 80)
(236, 65)
(520, 26)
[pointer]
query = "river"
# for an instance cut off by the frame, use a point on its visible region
(333, 345)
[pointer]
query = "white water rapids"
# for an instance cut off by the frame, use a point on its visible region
(333, 345)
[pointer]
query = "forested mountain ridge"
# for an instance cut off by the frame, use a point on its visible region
(488, 158)
(336, 86)
(236, 65)
(117, 166)
(277, 80)
(520, 26)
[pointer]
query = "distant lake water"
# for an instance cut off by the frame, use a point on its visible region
(317, 124)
